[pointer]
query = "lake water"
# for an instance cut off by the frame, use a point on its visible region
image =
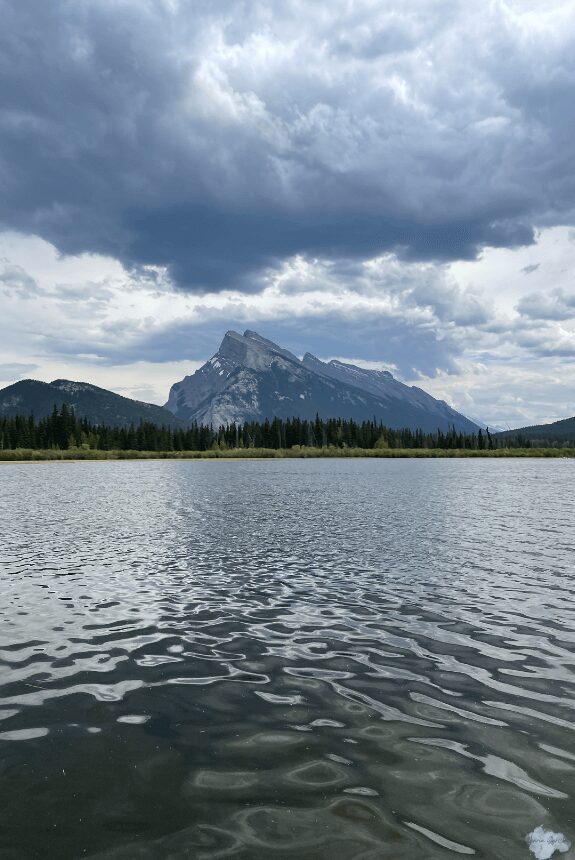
(286, 659)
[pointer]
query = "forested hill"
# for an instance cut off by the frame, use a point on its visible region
(558, 431)
(97, 405)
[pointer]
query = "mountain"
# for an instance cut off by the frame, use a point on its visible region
(558, 431)
(404, 399)
(251, 379)
(30, 397)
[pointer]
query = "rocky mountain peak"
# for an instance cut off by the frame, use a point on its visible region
(250, 350)
(251, 378)
(232, 348)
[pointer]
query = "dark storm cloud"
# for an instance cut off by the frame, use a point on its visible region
(218, 139)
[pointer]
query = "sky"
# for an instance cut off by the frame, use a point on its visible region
(387, 183)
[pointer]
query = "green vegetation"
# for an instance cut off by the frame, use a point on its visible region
(63, 436)
(303, 452)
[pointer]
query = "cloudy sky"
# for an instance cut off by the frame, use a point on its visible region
(391, 183)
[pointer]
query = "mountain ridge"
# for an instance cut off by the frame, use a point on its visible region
(562, 430)
(99, 405)
(253, 378)
(250, 378)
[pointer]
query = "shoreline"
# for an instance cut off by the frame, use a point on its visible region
(20, 456)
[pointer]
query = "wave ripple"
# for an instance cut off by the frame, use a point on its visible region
(311, 659)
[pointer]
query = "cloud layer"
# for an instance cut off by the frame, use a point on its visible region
(486, 335)
(217, 139)
(388, 183)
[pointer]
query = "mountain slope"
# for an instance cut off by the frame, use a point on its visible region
(251, 379)
(31, 397)
(558, 431)
(405, 400)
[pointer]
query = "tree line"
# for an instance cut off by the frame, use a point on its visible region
(64, 430)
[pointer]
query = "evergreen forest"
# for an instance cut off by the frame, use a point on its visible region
(63, 430)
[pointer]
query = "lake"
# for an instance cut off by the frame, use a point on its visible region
(286, 659)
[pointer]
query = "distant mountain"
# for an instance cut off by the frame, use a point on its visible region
(30, 397)
(558, 431)
(251, 379)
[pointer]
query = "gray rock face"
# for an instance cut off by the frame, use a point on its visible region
(251, 379)
(381, 383)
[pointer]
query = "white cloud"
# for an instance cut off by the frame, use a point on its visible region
(451, 329)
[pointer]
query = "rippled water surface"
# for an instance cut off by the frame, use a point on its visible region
(277, 659)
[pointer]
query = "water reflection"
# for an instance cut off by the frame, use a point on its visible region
(296, 659)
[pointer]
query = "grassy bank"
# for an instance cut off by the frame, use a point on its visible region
(74, 454)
